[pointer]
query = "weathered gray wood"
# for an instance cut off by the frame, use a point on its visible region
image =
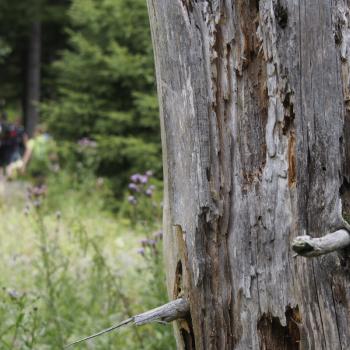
(311, 247)
(254, 104)
(174, 310)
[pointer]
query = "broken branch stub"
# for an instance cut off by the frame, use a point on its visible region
(174, 310)
(310, 247)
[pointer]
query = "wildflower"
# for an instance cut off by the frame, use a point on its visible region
(135, 177)
(132, 200)
(143, 179)
(13, 294)
(158, 236)
(148, 192)
(144, 242)
(152, 242)
(141, 251)
(149, 173)
(133, 187)
(37, 191)
(138, 178)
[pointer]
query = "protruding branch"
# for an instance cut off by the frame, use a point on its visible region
(310, 247)
(169, 312)
(172, 311)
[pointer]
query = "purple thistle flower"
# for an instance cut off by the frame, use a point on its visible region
(158, 236)
(144, 242)
(141, 251)
(138, 178)
(152, 242)
(135, 178)
(148, 192)
(13, 294)
(37, 191)
(143, 179)
(133, 187)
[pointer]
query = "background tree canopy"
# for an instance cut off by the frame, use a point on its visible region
(16, 18)
(97, 81)
(105, 87)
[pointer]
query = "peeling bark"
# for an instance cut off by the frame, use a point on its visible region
(256, 151)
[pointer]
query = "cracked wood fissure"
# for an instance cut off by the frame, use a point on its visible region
(254, 105)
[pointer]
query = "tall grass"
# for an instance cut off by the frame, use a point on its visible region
(69, 271)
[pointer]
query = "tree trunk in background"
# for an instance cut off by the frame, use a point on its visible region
(31, 112)
(254, 103)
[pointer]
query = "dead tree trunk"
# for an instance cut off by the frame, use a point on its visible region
(32, 98)
(254, 102)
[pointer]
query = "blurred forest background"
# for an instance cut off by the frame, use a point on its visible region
(83, 250)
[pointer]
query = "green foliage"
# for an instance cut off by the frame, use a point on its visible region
(5, 49)
(105, 88)
(16, 19)
(69, 273)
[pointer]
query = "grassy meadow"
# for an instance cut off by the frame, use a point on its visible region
(69, 267)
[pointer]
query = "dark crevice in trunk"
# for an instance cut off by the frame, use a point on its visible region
(256, 99)
(274, 336)
(336, 314)
(345, 197)
(281, 14)
(178, 284)
(187, 335)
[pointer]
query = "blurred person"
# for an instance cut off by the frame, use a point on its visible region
(36, 158)
(4, 149)
(14, 144)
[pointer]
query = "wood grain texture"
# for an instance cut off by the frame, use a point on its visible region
(256, 152)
